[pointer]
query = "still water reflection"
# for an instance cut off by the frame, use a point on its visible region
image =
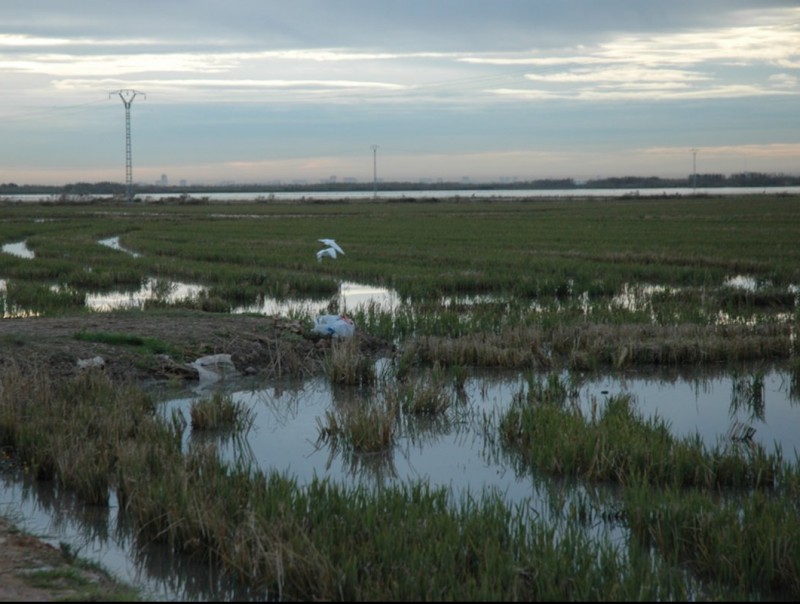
(458, 452)
(452, 452)
(152, 289)
(19, 249)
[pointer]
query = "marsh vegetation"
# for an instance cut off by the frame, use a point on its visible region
(552, 289)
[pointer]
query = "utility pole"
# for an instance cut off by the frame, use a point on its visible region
(374, 170)
(127, 95)
(694, 169)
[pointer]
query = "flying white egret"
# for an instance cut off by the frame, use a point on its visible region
(328, 251)
(332, 243)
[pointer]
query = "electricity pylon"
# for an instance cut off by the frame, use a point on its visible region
(374, 170)
(127, 95)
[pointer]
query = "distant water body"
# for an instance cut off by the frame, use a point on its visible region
(433, 194)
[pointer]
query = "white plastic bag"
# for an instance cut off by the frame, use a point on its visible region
(336, 326)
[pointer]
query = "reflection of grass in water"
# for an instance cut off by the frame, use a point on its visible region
(37, 299)
(367, 427)
(748, 395)
(409, 542)
(794, 376)
(427, 393)
(162, 289)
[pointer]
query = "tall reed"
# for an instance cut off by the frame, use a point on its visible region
(69, 431)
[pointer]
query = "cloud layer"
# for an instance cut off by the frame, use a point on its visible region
(259, 91)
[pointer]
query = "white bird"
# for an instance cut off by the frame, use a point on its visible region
(332, 244)
(328, 251)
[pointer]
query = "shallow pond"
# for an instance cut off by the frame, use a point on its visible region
(458, 452)
(450, 451)
(19, 249)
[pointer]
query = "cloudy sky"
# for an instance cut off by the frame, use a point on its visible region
(257, 91)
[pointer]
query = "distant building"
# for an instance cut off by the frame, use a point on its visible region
(164, 180)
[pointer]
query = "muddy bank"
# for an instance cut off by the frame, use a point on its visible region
(258, 345)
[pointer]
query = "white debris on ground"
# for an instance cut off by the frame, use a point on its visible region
(335, 326)
(97, 362)
(214, 367)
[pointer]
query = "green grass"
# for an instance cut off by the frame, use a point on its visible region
(529, 249)
(509, 283)
(143, 344)
(74, 585)
(528, 285)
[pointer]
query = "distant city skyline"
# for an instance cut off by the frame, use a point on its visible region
(256, 91)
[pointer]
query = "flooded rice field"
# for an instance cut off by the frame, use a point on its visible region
(458, 451)
(755, 405)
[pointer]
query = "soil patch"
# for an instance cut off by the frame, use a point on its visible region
(272, 346)
(34, 571)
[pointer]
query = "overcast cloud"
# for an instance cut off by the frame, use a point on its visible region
(259, 91)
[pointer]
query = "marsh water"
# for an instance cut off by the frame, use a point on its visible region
(458, 451)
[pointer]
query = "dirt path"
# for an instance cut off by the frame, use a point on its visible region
(257, 345)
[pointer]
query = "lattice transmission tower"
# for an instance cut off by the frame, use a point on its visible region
(127, 95)
(374, 170)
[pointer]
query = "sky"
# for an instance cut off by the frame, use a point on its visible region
(261, 91)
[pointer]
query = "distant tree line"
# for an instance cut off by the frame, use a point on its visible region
(112, 189)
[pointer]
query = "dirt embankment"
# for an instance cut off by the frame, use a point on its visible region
(256, 345)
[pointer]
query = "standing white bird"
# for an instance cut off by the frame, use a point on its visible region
(332, 244)
(328, 251)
